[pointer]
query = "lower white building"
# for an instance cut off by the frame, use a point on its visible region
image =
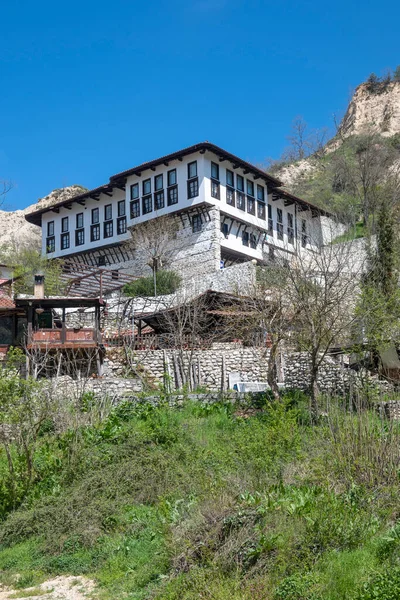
(225, 211)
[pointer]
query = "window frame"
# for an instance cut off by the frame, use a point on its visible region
(121, 203)
(121, 220)
(108, 229)
(169, 175)
(135, 190)
(260, 188)
(197, 223)
(250, 186)
(134, 204)
(172, 195)
(95, 227)
(216, 167)
(240, 178)
(65, 241)
(158, 178)
(77, 221)
(231, 191)
(108, 209)
(215, 189)
(232, 182)
(50, 229)
(95, 220)
(147, 204)
(146, 182)
(245, 238)
(157, 196)
(50, 244)
(79, 241)
(189, 165)
(192, 188)
(63, 221)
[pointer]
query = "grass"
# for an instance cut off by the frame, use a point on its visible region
(154, 503)
(353, 233)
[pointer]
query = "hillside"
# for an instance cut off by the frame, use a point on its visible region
(16, 231)
(374, 110)
(219, 502)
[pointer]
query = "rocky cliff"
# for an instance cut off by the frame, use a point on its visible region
(378, 108)
(15, 231)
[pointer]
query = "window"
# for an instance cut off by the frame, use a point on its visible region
(95, 216)
(147, 205)
(225, 230)
(290, 229)
(79, 237)
(79, 220)
(95, 233)
(270, 221)
(197, 224)
(245, 238)
(158, 182)
(121, 225)
(193, 188)
(250, 187)
(50, 228)
(241, 200)
(172, 177)
(172, 195)
(159, 200)
(64, 240)
(50, 244)
(192, 169)
(279, 226)
(134, 191)
(108, 229)
(230, 178)
(215, 189)
(304, 237)
(135, 209)
(251, 206)
(253, 241)
(240, 183)
(261, 210)
(214, 171)
(146, 187)
(230, 196)
(260, 193)
(108, 212)
(121, 208)
(64, 224)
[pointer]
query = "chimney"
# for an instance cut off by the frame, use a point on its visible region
(39, 286)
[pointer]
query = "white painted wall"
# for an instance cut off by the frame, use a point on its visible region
(320, 230)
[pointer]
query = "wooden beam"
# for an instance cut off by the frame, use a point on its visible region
(81, 202)
(68, 206)
(55, 210)
(288, 202)
(202, 151)
(108, 193)
(222, 159)
(153, 168)
(234, 167)
(166, 163)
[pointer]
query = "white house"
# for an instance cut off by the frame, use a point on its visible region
(229, 211)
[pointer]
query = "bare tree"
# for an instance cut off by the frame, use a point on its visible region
(5, 187)
(156, 239)
(305, 141)
(323, 288)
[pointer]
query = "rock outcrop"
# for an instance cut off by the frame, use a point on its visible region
(15, 231)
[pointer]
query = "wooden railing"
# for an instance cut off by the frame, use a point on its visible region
(59, 337)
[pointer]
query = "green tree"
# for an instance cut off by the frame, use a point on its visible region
(396, 74)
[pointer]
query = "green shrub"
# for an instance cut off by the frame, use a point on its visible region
(167, 282)
(384, 586)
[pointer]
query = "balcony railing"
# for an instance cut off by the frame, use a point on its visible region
(59, 337)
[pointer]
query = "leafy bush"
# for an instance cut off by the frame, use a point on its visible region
(384, 586)
(167, 282)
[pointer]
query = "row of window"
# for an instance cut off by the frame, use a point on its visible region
(250, 239)
(155, 200)
(95, 233)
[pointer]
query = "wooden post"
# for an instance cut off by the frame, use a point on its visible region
(63, 332)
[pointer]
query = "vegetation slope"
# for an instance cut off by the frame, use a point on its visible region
(204, 501)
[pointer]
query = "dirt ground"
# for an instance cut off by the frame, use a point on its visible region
(60, 588)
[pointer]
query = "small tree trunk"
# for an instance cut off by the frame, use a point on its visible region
(314, 394)
(272, 375)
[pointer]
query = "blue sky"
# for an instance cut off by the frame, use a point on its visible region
(89, 88)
